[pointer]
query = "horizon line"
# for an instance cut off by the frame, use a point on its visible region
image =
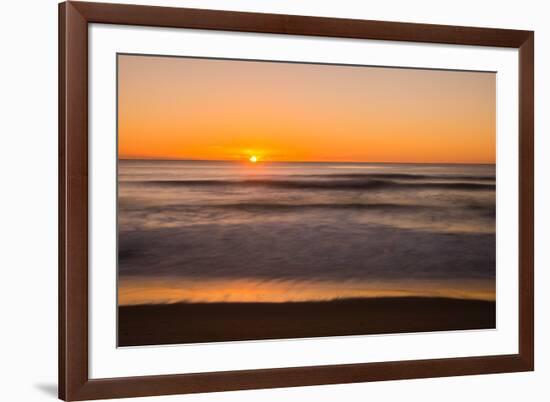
(297, 161)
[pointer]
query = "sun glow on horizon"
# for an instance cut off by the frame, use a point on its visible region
(253, 159)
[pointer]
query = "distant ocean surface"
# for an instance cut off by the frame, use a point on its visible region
(231, 231)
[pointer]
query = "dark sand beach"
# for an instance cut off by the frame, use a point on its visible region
(217, 322)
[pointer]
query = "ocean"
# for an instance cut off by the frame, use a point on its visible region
(212, 231)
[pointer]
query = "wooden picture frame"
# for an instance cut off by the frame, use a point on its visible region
(74, 381)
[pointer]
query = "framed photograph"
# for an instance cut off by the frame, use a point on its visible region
(259, 200)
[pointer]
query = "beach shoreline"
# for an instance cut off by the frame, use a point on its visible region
(180, 323)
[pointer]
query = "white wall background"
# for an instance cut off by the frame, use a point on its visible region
(28, 199)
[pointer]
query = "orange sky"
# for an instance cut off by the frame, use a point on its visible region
(186, 108)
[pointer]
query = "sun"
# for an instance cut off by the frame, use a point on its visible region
(253, 159)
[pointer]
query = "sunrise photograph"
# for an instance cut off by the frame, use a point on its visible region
(279, 200)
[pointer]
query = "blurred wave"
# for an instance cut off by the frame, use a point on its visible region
(381, 227)
(347, 184)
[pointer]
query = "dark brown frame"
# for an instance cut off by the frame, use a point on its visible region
(74, 382)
